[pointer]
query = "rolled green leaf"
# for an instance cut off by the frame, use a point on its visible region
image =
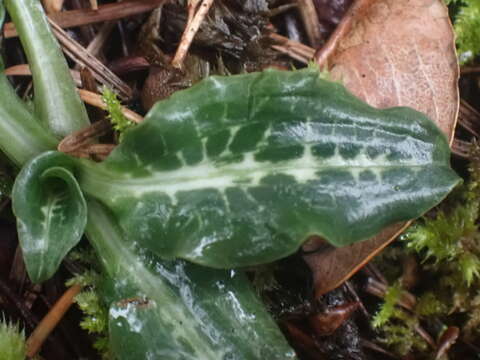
(57, 103)
(21, 136)
(51, 213)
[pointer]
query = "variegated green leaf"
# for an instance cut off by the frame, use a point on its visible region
(51, 213)
(176, 310)
(240, 170)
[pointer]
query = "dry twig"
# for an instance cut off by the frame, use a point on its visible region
(24, 70)
(310, 20)
(281, 9)
(52, 6)
(195, 19)
(96, 45)
(94, 4)
(469, 70)
(80, 139)
(461, 148)
(469, 118)
(50, 321)
(80, 55)
(375, 347)
(294, 49)
(108, 12)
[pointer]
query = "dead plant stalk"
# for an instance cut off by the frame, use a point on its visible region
(50, 321)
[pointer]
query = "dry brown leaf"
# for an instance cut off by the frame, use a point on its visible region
(395, 53)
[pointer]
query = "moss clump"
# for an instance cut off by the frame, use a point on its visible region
(387, 310)
(95, 320)
(467, 28)
(446, 243)
(449, 241)
(395, 326)
(12, 341)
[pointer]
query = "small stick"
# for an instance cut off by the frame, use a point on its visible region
(461, 148)
(80, 138)
(469, 118)
(469, 70)
(94, 4)
(193, 24)
(291, 53)
(374, 347)
(281, 9)
(372, 271)
(425, 335)
(294, 49)
(50, 321)
(108, 12)
(310, 20)
(18, 70)
(352, 291)
(96, 45)
(24, 70)
(79, 54)
(52, 6)
(322, 55)
(96, 100)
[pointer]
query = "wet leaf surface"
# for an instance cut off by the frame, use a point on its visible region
(276, 166)
(395, 54)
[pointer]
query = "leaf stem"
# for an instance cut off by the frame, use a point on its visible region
(56, 102)
(21, 136)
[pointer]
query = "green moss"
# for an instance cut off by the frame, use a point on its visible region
(395, 326)
(448, 242)
(402, 338)
(467, 28)
(114, 108)
(12, 341)
(387, 309)
(429, 305)
(95, 312)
